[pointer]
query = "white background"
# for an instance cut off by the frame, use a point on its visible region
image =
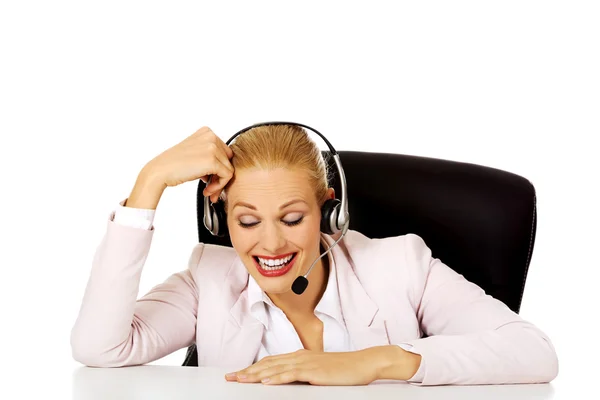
(90, 92)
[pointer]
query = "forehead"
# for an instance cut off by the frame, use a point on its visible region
(266, 186)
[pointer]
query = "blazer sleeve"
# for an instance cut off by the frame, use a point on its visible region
(113, 327)
(472, 338)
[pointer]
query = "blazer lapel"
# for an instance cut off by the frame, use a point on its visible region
(242, 336)
(227, 335)
(365, 327)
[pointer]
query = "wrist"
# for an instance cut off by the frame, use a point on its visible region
(147, 191)
(152, 178)
(393, 362)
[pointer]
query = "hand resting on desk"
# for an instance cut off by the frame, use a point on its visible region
(337, 368)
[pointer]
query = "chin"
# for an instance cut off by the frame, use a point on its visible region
(275, 285)
(276, 289)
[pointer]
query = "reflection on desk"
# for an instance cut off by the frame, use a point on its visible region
(172, 382)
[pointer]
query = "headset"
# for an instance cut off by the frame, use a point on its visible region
(335, 217)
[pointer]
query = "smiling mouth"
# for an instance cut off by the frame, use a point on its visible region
(273, 268)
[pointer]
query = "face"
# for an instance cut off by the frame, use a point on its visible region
(274, 224)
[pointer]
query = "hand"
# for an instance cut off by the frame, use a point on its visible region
(199, 155)
(317, 368)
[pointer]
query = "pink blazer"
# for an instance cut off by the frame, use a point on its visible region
(391, 291)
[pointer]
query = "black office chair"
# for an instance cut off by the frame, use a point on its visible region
(477, 220)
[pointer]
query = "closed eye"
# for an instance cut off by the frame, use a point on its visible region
(243, 225)
(288, 223)
(293, 223)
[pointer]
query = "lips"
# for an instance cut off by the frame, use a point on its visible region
(276, 257)
(271, 273)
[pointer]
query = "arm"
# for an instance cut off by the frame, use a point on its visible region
(473, 337)
(113, 328)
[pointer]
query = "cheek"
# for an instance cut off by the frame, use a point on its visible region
(241, 239)
(307, 234)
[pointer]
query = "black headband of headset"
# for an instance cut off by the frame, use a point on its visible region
(333, 152)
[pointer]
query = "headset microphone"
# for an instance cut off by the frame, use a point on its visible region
(301, 283)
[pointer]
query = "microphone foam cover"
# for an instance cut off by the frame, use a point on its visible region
(299, 285)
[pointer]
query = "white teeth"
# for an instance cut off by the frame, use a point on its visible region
(271, 264)
(275, 262)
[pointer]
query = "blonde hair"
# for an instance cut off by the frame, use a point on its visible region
(281, 146)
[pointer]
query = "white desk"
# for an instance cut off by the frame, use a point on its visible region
(170, 382)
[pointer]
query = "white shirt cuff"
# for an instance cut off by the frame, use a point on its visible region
(420, 374)
(134, 217)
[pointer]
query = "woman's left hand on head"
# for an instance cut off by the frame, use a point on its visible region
(317, 368)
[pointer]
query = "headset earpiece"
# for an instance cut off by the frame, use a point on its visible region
(218, 220)
(329, 216)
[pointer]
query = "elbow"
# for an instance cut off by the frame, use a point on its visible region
(87, 356)
(546, 369)
(80, 351)
(84, 356)
(541, 361)
(96, 359)
(87, 359)
(90, 355)
(548, 365)
(551, 366)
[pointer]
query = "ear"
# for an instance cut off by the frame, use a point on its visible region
(330, 193)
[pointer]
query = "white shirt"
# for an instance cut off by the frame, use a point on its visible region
(280, 336)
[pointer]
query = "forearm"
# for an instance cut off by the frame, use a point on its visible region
(515, 353)
(105, 319)
(147, 191)
(392, 362)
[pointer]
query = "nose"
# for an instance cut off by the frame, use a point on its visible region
(272, 239)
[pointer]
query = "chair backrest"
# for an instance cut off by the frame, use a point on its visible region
(479, 221)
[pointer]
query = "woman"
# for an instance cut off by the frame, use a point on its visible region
(374, 308)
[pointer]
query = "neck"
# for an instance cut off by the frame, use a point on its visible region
(303, 305)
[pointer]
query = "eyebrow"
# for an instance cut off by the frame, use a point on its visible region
(284, 205)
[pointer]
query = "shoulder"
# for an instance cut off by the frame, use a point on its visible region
(398, 263)
(395, 257)
(217, 264)
(394, 249)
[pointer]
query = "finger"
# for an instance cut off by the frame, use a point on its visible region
(265, 373)
(221, 144)
(213, 192)
(225, 148)
(223, 156)
(217, 183)
(272, 361)
(284, 356)
(269, 362)
(251, 370)
(289, 376)
(223, 168)
(278, 370)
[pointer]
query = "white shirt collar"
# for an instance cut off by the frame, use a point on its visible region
(329, 303)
